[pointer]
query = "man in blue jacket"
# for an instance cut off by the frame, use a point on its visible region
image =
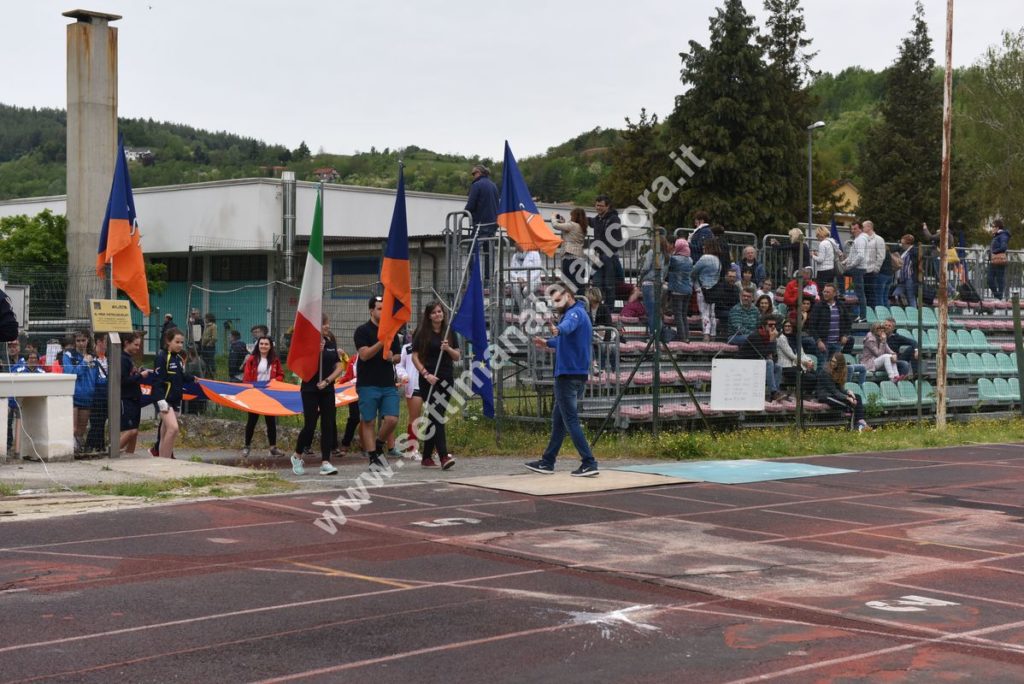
(482, 205)
(571, 339)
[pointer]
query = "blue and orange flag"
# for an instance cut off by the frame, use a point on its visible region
(273, 398)
(833, 232)
(470, 321)
(120, 241)
(517, 213)
(395, 276)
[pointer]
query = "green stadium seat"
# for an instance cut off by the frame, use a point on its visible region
(980, 341)
(930, 319)
(931, 340)
(975, 366)
(927, 392)
(1003, 391)
(890, 394)
(990, 364)
(856, 389)
(987, 392)
(901, 318)
(1015, 388)
(871, 389)
(782, 310)
(965, 342)
(908, 394)
(850, 359)
(1007, 364)
(871, 317)
(882, 312)
(905, 333)
(957, 365)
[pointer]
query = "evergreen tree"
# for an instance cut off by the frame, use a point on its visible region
(729, 120)
(637, 159)
(785, 47)
(901, 160)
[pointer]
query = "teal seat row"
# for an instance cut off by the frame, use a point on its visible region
(895, 395)
(999, 390)
(907, 316)
(974, 364)
(956, 340)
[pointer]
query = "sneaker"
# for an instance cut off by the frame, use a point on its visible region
(274, 451)
(336, 453)
(378, 459)
(327, 469)
(585, 471)
(541, 466)
(297, 466)
(153, 452)
(447, 461)
(862, 426)
(394, 453)
(429, 462)
(414, 455)
(899, 378)
(246, 450)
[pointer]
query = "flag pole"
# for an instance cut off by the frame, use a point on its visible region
(456, 302)
(319, 361)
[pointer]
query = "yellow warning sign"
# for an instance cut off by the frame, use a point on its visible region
(110, 315)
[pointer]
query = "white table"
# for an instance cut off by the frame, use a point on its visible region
(46, 414)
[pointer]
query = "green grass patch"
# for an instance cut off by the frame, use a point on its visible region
(476, 438)
(7, 489)
(197, 486)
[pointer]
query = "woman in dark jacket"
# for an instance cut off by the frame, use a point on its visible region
(998, 259)
(830, 388)
(170, 376)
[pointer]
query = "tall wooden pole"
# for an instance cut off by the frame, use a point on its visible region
(947, 132)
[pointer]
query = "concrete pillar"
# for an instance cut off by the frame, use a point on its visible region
(92, 144)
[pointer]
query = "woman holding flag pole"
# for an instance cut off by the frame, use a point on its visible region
(435, 349)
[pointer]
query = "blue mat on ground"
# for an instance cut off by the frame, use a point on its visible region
(736, 472)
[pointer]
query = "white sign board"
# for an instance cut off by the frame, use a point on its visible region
(737, 384)
(19, 301)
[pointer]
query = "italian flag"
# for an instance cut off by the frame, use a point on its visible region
(304, 352)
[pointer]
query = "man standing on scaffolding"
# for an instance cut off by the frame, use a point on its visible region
(482, 205)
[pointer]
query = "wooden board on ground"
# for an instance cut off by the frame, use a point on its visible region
(563, 483)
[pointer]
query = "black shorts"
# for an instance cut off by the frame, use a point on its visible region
(131, 413)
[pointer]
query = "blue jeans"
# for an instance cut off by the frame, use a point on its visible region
(604, 279)
(997, 280)
(772, 376)
(858, 276)
(648, 291)
(858, 371)
(681, 309)
(883, 282)
(564, 418)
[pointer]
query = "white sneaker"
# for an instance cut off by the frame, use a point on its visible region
(297, 466)
(245, 452)
(414, 456)
(327, 469)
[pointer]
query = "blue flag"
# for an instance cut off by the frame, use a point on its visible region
(834, 233)
(471, 323)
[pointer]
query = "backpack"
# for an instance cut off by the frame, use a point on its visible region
(8, 321)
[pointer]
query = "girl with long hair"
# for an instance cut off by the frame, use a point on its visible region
(831, 389)
(574, 232)
(170, 376)
(262, 365)
(434, 355)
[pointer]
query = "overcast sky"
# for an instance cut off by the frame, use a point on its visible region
(449, 75)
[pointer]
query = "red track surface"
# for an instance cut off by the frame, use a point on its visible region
(911, 570)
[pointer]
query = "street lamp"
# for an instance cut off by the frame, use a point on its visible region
(800, 277)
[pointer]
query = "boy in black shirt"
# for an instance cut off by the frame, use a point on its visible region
(375, 384)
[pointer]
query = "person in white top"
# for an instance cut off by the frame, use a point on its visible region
(413, 399)
(856, 266)
(824, 257)
(875, 254)
(525, 272)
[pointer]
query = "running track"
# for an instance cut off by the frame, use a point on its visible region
(911, 570)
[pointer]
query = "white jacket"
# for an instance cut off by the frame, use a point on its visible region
(876, 253)
(527, 267)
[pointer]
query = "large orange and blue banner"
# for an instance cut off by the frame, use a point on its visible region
(274, 398)
(120, 240)
(395, 276)
(517, 213)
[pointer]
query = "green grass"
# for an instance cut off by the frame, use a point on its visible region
(7, 489)
(476, 438)
(200, 485)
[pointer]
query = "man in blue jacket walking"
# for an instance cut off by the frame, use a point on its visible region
(571, 339)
